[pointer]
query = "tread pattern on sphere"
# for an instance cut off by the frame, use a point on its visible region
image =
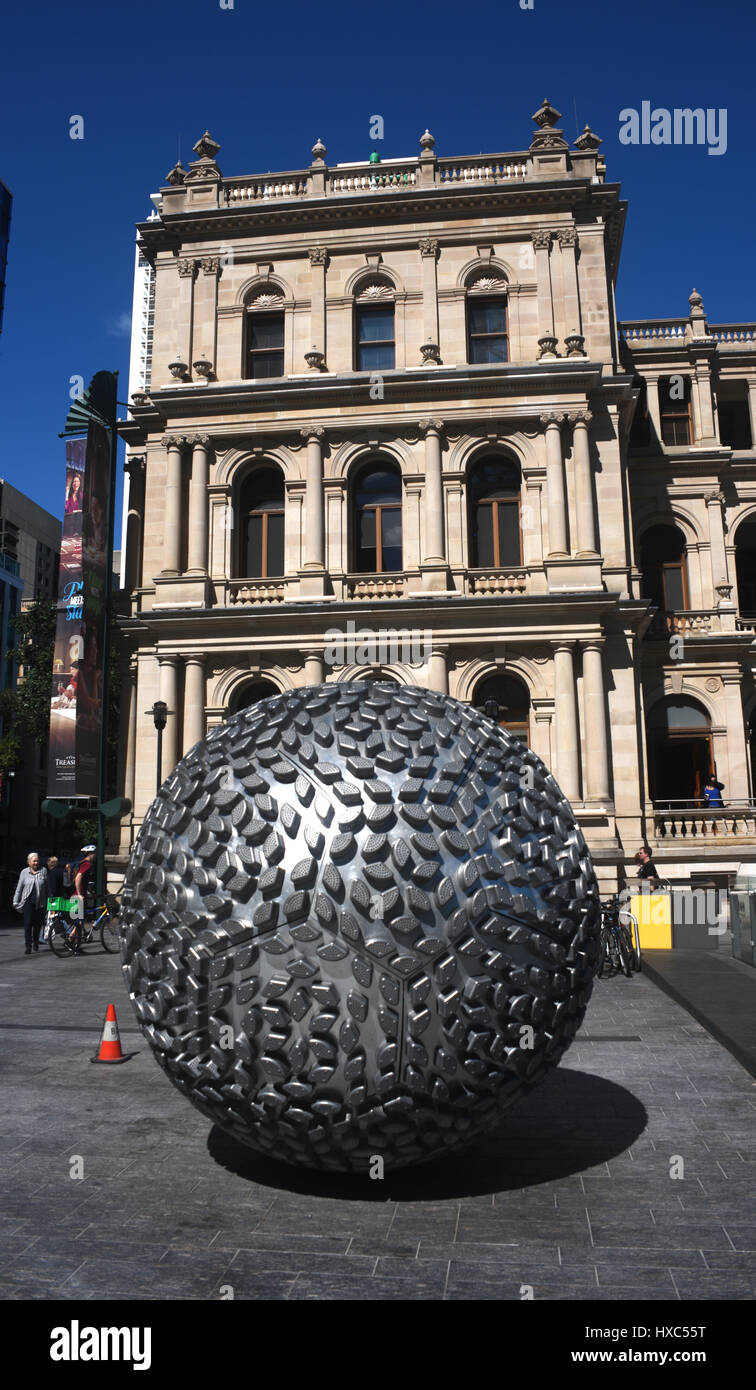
(359, 919)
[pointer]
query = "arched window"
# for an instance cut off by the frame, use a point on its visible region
(261, 525)
(674, 409)
(264, 335)
(374, 331)
(493, 501)
(679, 750)
(251, 693)
(511, 699)
(745, 568)
(664, 568)
(378, 519)
(487, 333)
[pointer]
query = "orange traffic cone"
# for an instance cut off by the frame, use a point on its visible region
(110, 1043)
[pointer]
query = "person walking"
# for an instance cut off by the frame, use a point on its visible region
(30, 898)
(646, 867)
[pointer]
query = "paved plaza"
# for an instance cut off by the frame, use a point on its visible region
(572, 1197)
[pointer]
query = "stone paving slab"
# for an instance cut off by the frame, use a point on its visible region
(573, 1193)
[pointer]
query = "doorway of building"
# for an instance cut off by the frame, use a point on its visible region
(680, 751)
(250, 694)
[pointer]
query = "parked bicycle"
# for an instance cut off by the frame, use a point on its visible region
(620, 939)
(68, 934)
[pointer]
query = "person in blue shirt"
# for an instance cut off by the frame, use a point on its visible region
(713, 792)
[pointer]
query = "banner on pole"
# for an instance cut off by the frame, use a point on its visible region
(76, 697)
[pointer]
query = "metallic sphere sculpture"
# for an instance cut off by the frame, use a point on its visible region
(359, 921)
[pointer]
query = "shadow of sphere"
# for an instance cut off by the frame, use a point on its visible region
(571, 1122)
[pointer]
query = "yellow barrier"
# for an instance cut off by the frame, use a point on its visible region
(654, 915)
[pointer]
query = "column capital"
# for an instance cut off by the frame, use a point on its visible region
(318, 255)
(541, 239)
(562, 644)
(428, 246)
(201, 440)
(168, 658)
(714, 499)
(428, 426)
(592, 644)
(187, 267)
(579, 417)
(551, 417)
(173, 441)
(567, 236)
(195, 658)
(210, 265)
(134, 465)
(313, 432)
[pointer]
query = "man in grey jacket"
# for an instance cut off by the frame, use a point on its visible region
(30, 898)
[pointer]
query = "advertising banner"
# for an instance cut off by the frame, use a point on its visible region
(76, 697)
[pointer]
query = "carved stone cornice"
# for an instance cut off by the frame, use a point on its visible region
(187, 267)
(313, 432)
(428, 426)
(541, 239)
(318, 255)
(428, 246)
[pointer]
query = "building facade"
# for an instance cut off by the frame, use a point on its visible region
(394, 428)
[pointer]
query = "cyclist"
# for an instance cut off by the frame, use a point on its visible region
(82, 882)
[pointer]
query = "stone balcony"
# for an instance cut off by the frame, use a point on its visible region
(700, 622)
(688, 823)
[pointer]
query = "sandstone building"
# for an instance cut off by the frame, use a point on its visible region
(395, 395)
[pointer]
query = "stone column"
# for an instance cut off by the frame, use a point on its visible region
(129, 728)
(585, 513)
(132, 569)
(172, 518)
(565, 708)
(556, 499)
(169, 693)
(718, 552)
(596, 739)
(319, 262)
(654, 408)
(438, 670)
(313, 668)
(198, 505)
(737, 788)
(314, 522)
(184, 326)
(434, 550)
(206, 316)
(541, 244)
(752, 408)
(429, 254)
(194, 700)
(567, 238)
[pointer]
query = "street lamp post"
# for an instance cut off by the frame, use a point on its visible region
(160, 715)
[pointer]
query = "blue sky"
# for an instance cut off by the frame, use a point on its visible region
(268, 81)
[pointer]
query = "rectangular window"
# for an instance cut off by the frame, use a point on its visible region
(487, 330)
(375, 338)
(674, 408)
(265, 345)
(734, 424)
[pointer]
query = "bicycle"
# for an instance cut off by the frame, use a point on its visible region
(67, 935)
(620, 940)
